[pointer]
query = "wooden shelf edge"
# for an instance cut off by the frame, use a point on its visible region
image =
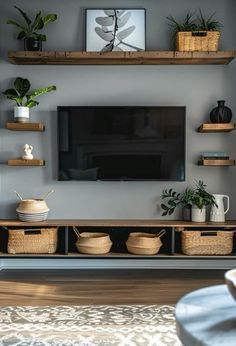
(25, 126)
(29, 163)
(120, 58)
(215, 163)
(211, 127)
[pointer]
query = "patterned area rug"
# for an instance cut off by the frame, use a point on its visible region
(122, 325)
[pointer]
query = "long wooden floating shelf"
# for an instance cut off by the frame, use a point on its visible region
(20, 162)
(210, 127)
(178, 224)
(120, 58)
(220, 163)
(25, 127)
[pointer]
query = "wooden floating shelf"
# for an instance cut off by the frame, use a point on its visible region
(211, 128)
(120, 58)
(216, 162)
(20, 162)
(25, 127)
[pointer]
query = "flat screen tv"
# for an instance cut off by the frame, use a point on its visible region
(121, 143)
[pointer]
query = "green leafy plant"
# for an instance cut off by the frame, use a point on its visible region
(193, 23)
(20, 93)
(197, 196)
(175, 199)
(208, 24)
(201, 197)
(188, 24)
(30, 28)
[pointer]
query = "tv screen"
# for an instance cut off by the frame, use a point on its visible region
(121, 143)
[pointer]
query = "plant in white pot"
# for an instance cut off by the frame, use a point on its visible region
(24, 99)
(200, 200)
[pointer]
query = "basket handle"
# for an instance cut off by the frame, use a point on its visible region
(161, 233)
(199, 33)
(18, 195)
(76, 231)
(32, 231)
(208, 233)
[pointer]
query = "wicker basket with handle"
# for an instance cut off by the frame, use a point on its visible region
(187, 41)
(92, 243)
(35, 241)
(207, 242)
(140, 243)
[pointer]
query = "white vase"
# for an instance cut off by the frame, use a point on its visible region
(21, 114)
(198, 215)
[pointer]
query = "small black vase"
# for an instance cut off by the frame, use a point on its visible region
(32, 44)
(221, 114)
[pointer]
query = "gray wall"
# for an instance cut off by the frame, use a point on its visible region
(197, 87)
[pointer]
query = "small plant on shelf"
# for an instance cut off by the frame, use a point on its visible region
(196, 33)
(23, 98)
(29, 31)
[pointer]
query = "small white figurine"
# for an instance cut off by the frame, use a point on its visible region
(27, 155)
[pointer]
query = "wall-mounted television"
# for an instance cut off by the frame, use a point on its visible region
(121, 143)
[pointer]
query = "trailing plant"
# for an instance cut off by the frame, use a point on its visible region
(193, 23)
(20, 93)
(197, 196)
(175, 199)
(30, 28)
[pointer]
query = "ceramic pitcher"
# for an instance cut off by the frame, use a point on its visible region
(217, 214)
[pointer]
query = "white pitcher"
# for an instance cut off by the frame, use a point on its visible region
(217, 214)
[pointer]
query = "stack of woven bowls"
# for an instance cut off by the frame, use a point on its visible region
(32, 210)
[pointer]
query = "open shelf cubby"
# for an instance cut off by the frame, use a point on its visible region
(120, 58)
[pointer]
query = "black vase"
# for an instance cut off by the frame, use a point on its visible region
(221, 114)
(32, 44)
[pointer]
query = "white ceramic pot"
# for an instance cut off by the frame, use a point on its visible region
(198, 215)
(21, 114)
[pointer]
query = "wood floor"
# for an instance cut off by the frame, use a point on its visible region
(85, 287)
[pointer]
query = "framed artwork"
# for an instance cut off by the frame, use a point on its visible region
(109, 30)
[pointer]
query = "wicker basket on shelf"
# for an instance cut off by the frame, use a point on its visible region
(32, 241)
(207, 242)
(92, 243)
(202, 41)
(140, 243)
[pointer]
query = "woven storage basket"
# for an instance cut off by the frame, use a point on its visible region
(140, 243)
(207, 242)
(35, 241)
(188, 41)
(93, 243)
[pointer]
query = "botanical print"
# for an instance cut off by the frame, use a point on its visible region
(115, 30)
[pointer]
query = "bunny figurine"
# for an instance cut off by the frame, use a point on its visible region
(27, 155)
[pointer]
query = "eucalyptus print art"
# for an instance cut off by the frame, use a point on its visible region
(110, 30)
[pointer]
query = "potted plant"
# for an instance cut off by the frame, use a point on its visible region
(194, 200)
(29, 31)
(23, 99)
(200, 200)
(177, 199)
(196, 33)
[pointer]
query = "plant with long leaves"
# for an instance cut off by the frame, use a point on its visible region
(208, 24)
(188, 24)
(31, 28)
(20, 93)
(175, 199)
(112, 30)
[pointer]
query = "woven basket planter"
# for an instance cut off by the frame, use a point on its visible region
(93, 243)
(207, 242)
(34, 241)
(202, 41)
(140, 243)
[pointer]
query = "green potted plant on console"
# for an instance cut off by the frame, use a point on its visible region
(195, 199)
(196, 34)
(29, 31)
(23, 99)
